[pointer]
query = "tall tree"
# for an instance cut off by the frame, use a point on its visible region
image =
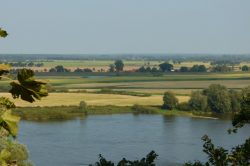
(198, 101)
(218, 98)
(119, 65)
(111, 68)
(169, 101)
(166, 67)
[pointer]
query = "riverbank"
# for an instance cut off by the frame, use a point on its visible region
(73, 112)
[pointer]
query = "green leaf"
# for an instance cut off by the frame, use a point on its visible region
(27, 87)
(9, 122)
(6, 103)
(3, 33)
(5, 154)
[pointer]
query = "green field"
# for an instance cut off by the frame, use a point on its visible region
(181, 84)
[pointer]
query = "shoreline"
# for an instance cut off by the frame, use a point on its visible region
(57, 113)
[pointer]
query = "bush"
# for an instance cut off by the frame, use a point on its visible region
(170, 101)
(218, 98)
(83, 106)
(17, 152)
(146, 161)
(139, 109)
(245, 68)
(184, 106)
(198, 101)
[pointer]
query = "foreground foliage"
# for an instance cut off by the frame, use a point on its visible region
(148, 161)
(238, 155)
(28, 89)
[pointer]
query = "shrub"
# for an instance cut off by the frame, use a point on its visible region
(218, 98)
(170, 101)
(184, 106)
(83, 106)
(198, 101)
(139, 109)
(15, 152)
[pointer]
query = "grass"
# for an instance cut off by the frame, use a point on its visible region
(49, 113)
(58, 113)
(67, 99)
(122, 92)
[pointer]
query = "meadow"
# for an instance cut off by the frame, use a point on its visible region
(69, 99)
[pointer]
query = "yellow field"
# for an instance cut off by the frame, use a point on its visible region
(59, 99)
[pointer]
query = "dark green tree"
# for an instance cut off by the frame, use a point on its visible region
(184, 69)
(29, 89)
(112, 68)
(245, 68)
(218, 98)
(166, 67)
(198, 101)
(238, 155)
(141, 69)
(235, 100)
(119, 65)
(170, 102)
(198, 68)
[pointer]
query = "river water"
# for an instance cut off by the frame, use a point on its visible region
(78, 142)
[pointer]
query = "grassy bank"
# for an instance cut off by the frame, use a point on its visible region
(67, 112)
(73, 112)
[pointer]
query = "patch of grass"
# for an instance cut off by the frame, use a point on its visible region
(49, 113)
(122, 92)
(109, 109)
(67, 99)
(140, 109)
(59, 113)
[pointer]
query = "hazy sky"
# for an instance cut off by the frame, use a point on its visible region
(125, 26)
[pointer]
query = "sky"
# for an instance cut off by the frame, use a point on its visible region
(125, 26)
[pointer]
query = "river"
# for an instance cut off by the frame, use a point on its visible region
(175, 139)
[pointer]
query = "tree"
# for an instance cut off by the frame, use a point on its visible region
(235, 100)
(169, 101)
(111, 68)
(154, 69)
(184, 69)
(3, 33)
(198, 68)
(28, 89)
(141, 69)
(221, 68)
(245, 68)
(148, 69)
(119, 65)
(238, 155)
(146, 161)
(243, 117)
(218, 98)
(198, 101)
(166, 67)
(60, 68)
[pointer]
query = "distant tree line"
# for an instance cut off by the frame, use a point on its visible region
(61, 69)
(25, 64)
(118, 66)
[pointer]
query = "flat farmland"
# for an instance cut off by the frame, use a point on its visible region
(84, 87)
